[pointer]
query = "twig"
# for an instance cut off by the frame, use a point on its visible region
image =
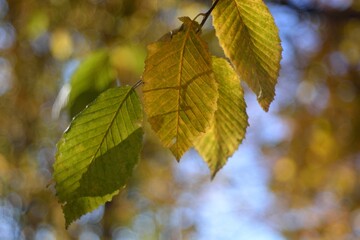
(206, 15)
(314, 10)
(137, 84)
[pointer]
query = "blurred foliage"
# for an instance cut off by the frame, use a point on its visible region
(314, 170)
(91, 78)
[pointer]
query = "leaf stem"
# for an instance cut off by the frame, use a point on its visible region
(137, 84)
(206, 15)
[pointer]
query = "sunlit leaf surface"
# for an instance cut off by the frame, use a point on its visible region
(231, 120)
(180, 91)
(98, 152)
(249, 37)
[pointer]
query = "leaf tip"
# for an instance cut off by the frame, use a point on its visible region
(67, 224)
(213, 174)
(177, 154)
(68, 220)
(265, 98)
(184, 19)
(265, 103)
(265, 107)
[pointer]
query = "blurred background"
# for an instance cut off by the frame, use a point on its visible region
(296, 175)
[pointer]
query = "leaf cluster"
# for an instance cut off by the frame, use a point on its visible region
(191, 99)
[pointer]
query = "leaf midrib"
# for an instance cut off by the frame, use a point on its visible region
(179, 82)
(111, 123)
(92, 156)
(249, 34)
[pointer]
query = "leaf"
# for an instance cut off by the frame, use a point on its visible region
(94, 75)
(180, 91)
(98, 152)
(249, 37)
(231, 120)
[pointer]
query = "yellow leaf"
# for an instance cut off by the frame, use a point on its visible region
(249, 37)
(231, 120)
(180, 91)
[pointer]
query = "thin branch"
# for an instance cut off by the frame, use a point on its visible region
(137, 84)
(206, 15)
(314, 10)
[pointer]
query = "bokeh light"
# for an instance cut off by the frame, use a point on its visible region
(294, 177)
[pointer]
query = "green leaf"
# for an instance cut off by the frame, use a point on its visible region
(98, 152)
(180, 91)
(249, 37)
(231, 120)
(94, 75)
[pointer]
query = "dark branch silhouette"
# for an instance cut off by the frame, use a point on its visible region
(320, 11)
